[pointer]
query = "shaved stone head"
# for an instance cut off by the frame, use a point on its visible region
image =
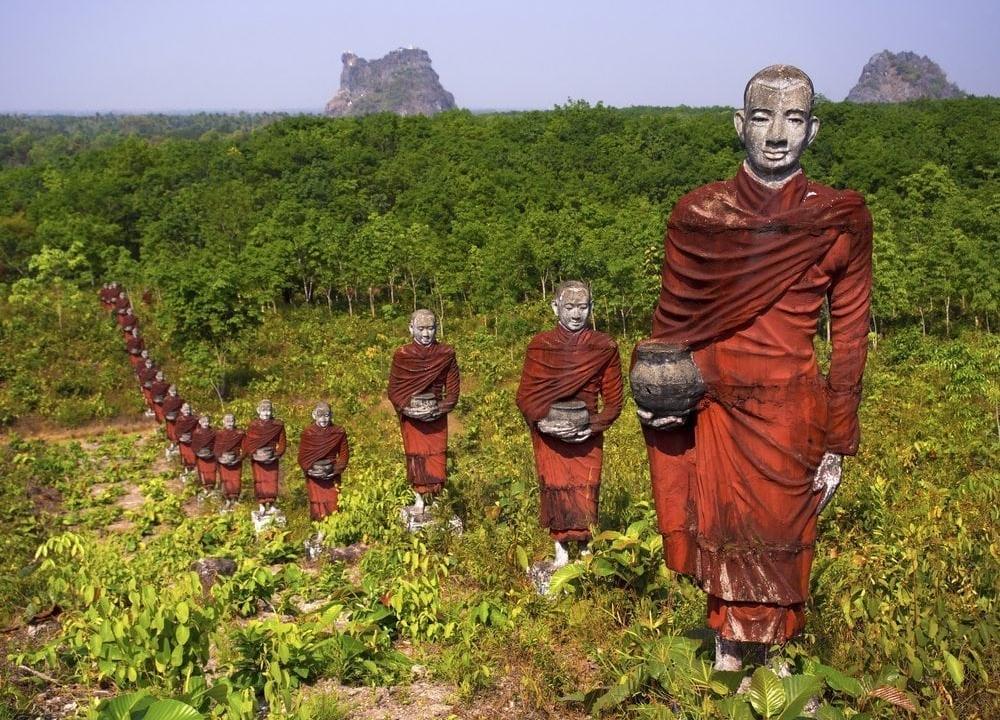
(778, 77)
(321, 414)
(574, 285)
(423, 327)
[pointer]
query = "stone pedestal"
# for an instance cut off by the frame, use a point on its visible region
(541, 574)
(417, 518)
(262, 520)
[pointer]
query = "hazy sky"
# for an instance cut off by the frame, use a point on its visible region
(145, 55)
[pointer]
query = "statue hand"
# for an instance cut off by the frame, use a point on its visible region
(646, 417)
(418, 414)
(827, 479)
(576, 436)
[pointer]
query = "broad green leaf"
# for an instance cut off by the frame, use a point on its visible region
(522, 557)
(120, 708)
(563, 575)
(955, 667)
(735, 708)
(171, 710)
(766, 693)
(182, 634)
(182, 611)
(799, 689)
(839, 681)
(829, 712)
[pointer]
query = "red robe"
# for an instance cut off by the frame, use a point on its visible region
(171, 404)
(108, 296)
(323, 443)
(561, 365)
(127, 323)
(159, 390)
(265, 433)
(420, 369)
(746, 271)
(231, 475)
(186, 424)
(147, 376)
(201, 439)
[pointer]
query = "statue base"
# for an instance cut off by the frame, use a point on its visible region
(272, 517)
(541, 574)
(314, 547)
(149, 413)
(416, 518)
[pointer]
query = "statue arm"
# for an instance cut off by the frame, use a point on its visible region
(343, 456)
(612, 395)
(279, 447)
(452, 384)
(850, 300)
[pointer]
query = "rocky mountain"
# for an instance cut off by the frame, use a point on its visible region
(402, 82)
(898, 77)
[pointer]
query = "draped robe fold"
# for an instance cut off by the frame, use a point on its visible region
(745, 273)
(171, 404)
(265, 433)
(562, 365)
(227, 441)
(147, 376)
(158, 390)
(204, 438)
(419, 369)
(323, 443)
(186, 424)
(134, 347)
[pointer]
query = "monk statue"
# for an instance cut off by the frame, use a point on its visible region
(128, 322)
(203, 446)
(739, 479)
(108, 294)
(158, 393)
(187, 421)
(565, 371)
(171, 412)
(323, 456)
(121, 304)
(423, 389)
(265, 444)
(229, 454)
(134, 345)
(147, 376)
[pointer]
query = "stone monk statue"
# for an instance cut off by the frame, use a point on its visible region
(748, 263)
(565, 371)
(187, 421)
(323, 456)
(423, 388)
(265, 443)
(203, 446)
(134, 345)
(147, 376)
(158, 394)
(229, 454)
(171, 411)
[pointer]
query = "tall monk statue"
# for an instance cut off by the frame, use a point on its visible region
(171, 412)
(323, 456)
(566, 370)
(121, 304)
(128, 322)
(134, 345)
(748, 263)
(423, 388)
(229, 453)
(187, 421)
(147, 376)
(265, 444)
(203, 445)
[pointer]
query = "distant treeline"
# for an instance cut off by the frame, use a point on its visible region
(227, 216)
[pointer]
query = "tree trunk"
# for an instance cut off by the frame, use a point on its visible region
(350, 305)
(371, 299)
(923, 322)
(947, 316)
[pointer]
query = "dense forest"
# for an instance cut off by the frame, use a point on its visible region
(280, 257)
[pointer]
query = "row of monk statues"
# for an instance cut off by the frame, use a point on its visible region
(743, 432)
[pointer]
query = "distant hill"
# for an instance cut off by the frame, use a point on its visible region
(897, 77)
(402, 82)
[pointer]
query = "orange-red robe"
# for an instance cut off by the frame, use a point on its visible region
(230, 475)
(147, 376)
(561, 365)
(265, 433)
(419, 369)
(134, 347)
(186, 424)
(171, 404)
(745, 273)
(158, 390)
(202, 439)
(323, 443)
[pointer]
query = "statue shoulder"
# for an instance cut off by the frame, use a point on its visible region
(703, 198)
(603, 340)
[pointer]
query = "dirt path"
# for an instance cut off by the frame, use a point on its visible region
(38, 429)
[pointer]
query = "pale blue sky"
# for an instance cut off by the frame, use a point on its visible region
(155, 55)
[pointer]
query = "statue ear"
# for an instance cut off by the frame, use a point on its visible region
(813, 130)
(555, 306)
(739, 122)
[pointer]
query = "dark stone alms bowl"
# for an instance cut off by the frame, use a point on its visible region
(569, 414)
(665, 379)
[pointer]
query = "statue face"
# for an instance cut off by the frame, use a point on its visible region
(423, 328)
(322, 417)
(159, 376)
(264, 412)
(186, 409)
(776, 126)
(572, 307)
(149, 363)
(228, 422)
(203, 421)
(172, 391)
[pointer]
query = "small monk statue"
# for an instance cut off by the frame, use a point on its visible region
(265, 443)
(423, 388)
(203, 447)
(229, 454)
(565, 371)
(187, 421)
(158, 393)
(171, 412)
(147, 376)
(747, 265)
(128, 322)
(323, 456)
(134, 345)
(108, 293)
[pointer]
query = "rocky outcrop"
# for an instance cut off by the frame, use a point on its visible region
(402, 82)
(898, 77)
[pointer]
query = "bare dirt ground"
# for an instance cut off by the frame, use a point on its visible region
(36, 428)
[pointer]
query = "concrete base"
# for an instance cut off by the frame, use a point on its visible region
(272, 517)
(417, 518)
(541, 574)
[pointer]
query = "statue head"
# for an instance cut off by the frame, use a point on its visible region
(229, 421)
(135, 333)
(265, 410)
(186, 409)
(172, 391)
(149, 362)
(423, 327)
(204, 421)
(144, 354)
(128, 310)
(121, 295)
(572, 304)
(776, 123)
(160, 376)
(321, 414)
